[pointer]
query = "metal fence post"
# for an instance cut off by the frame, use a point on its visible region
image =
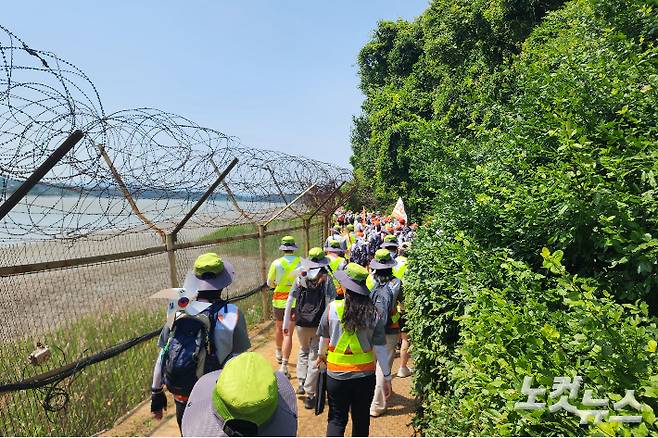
(170, 241)
(40, 172)
(325, 227)
(263, 271)
(307, 236)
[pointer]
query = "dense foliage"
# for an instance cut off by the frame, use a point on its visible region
(513, 125)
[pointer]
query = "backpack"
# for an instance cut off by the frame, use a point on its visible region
(310, 305)
(189, 352)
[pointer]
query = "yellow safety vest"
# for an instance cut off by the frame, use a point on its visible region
(334, 264)
(400, 269)
(370, 282)
(351, 239)
(348, 355)
(281, 291)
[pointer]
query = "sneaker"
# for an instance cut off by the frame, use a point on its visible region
(278, 356)
(404, 372)
(284, 370)
(300, 389)
(379, 413)
(309, 402)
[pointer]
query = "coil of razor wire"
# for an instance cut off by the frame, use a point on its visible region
(134, 169)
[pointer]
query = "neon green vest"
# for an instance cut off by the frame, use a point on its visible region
(339, 359)
(370, 282)
(281, 291)
(400, 268)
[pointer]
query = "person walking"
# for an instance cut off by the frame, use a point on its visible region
(391, 244)
(198, 343)
(334, 234)
(244, 399)
(336, 263)
(313, 290)
(351, 337)
(399, 271)
(386, 294)
(280, 278)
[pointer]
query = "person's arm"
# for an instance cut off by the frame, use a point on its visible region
(379, 346)
(241, 342)
(158, 397)
(157, 373)
(271, 275)
(330, 292)
(294, 293)
(323, 334)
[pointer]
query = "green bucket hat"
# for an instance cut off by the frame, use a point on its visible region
(334, 246)
(382, 260)
(288, 244)
(350, 227)
(246, 397)
(316, 259)
(210, 273)
(353, 278)
(390, 241)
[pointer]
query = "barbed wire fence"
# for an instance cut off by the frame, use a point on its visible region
(97, 212)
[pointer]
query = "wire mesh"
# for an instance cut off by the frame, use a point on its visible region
(82, 251)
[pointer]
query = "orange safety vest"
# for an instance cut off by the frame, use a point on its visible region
(348, 355)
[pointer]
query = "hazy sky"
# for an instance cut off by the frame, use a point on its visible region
(278, 74)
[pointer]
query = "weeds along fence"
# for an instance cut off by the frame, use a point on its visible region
(98, 212)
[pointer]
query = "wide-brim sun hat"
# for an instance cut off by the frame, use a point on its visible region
(339, 251)
(246, 394)
(335, 247)
(382, 260)
(389, 245)
(210, 273)
(316, 259)
(353, 278)
(288, 244)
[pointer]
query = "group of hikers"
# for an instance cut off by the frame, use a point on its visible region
(345, 302)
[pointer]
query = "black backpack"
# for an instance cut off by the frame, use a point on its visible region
(190, 352)
(310, 305)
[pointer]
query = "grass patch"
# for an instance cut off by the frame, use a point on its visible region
(99, 394)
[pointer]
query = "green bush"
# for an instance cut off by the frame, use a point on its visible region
(514, 322)
(513, 125)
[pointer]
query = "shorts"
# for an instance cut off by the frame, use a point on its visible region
(279, 313)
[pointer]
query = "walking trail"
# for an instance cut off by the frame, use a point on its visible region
(396, 422)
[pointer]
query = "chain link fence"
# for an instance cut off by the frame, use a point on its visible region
(98, 212)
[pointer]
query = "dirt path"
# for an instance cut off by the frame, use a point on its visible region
(395, 423)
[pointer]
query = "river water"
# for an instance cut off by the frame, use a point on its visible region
(48, 217)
